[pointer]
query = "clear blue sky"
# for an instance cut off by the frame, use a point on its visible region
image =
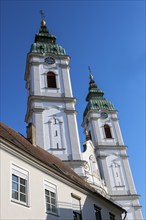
(107, 35)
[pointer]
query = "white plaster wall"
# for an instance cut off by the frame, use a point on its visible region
(62, 78)
(37, 73)
(58, 113)
(107, 159)
(96, 124)
(40, 111)
(126, 187)
(44, 69)
(36, 205)
(132, 212)
(116, 173)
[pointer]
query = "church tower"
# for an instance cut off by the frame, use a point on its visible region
(51, 114)
(52, 124)
(101, 124)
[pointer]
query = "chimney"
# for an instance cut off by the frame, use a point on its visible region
(31, 133)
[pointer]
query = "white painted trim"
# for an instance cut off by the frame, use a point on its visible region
(23, 173)
(53, 188)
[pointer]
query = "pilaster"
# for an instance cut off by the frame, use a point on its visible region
(110, 151)
(73, 136)
(38, 121)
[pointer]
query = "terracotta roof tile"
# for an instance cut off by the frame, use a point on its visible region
(42, 155)
(20, 142)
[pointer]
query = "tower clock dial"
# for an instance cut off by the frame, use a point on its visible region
(50, 60)
(104, 115)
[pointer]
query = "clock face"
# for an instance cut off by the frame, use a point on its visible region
(50, 60)
(104, 115)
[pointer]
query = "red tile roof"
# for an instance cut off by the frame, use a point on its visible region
(49, 160)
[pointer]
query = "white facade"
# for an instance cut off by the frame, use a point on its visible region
(110, 153)
(48, 104)
(52, 110)
(69, 196)
(52, 125)
(96, 127)
(91, 169)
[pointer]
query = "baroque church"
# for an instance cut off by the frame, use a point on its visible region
(45, 175)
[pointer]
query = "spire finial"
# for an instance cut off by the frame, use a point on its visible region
(42, 14)
(43, 22)
(90, 75)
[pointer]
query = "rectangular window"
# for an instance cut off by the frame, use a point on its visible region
(76, 204)
(19, 183)
(112, 217)
(77, 216)
(97, 211)
(50, 198)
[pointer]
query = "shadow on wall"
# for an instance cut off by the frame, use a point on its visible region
(92, 209)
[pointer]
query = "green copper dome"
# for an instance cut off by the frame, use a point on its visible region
(45, 42)
(95, 99)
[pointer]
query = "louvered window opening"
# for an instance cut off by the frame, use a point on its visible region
(51, 80)
(107, 131)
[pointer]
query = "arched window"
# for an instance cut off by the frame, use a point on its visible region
(107, 131)
(51, 80)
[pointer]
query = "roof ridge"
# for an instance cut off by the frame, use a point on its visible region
(48, 159)
(12, 133)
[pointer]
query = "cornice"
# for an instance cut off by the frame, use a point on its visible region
(110, 147)
(63, 57)
(70, 111)
(114, 119)
(51, 99)
(35, 63)
(34, 109)
(102, 156)
(125, 197)
(48, 99)
(64, 66)
(95, 111)
(38, 109)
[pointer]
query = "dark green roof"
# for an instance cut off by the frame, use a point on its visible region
(95, 99)
(46, 43)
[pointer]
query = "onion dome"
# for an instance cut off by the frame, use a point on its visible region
(95, 99)
(45, 42)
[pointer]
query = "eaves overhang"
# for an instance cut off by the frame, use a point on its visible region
(55, 172)
(19, 146)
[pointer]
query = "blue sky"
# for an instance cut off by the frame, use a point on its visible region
(107, 35)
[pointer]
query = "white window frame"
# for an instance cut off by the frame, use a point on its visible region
(76, 206)
(57, 80)
(51, 188)
(21, 173)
